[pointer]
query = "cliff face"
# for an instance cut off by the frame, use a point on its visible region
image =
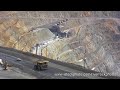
(94, 36)
(97, 41)
(14, 32)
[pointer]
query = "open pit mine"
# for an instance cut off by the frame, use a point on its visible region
(59, 44)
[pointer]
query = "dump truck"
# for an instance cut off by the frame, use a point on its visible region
(41, 65)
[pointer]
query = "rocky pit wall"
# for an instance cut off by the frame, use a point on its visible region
(95, 36)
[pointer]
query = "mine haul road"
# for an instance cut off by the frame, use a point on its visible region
(56, 69)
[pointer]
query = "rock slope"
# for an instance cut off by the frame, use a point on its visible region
(95, 36)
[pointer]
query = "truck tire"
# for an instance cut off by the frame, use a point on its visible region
(39, 68)
(35, 67)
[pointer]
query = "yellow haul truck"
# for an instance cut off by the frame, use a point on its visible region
(41, 65)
